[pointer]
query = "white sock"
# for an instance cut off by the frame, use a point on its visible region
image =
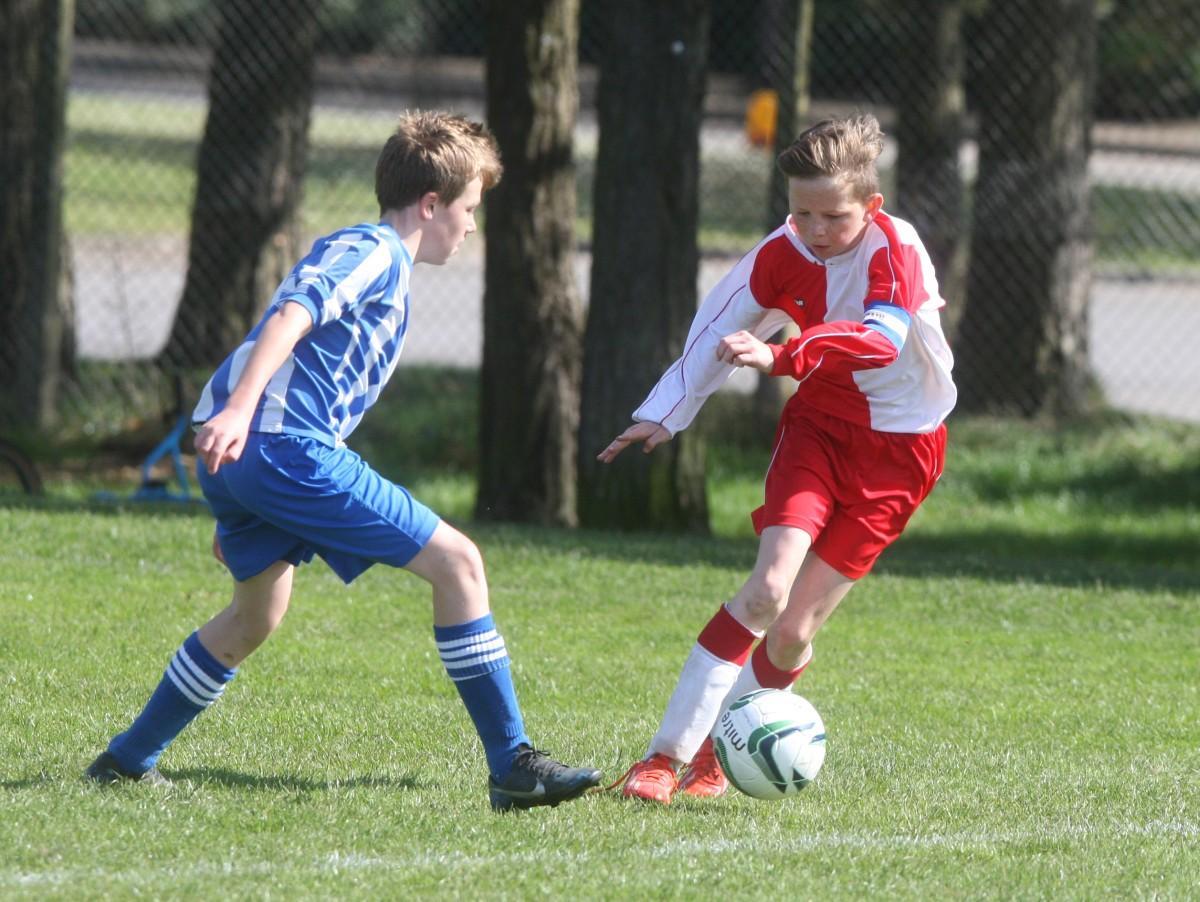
(694, 705)
(721, 649)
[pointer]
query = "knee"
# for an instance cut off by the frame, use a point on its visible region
(460, 564)
(259, 621)
(762, 598)
(791, 637)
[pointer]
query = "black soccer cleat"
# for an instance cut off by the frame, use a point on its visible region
(537, 779)
(106, 770)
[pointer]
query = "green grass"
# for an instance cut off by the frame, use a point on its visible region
(1011, 698)
(130, 165)
(1143, 229)
(129, 169)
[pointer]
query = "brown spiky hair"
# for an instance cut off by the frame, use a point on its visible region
(842, 149)
(434, 151)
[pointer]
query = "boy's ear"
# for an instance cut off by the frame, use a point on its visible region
(426, 204)
(874, 205)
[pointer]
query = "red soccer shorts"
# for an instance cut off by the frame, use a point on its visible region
(849, 487)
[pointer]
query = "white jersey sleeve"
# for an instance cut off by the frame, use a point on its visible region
(729, 307)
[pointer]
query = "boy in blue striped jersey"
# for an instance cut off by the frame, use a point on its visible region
(271, 426)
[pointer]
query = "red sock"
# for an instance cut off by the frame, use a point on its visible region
(771, 677)
(725, 637)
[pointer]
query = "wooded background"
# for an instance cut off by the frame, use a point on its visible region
(163, 164)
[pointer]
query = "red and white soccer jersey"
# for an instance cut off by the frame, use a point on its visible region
(871, 348)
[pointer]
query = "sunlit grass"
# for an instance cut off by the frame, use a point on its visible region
(1010, 697)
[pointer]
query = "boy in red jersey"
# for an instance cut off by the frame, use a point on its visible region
(859, 445)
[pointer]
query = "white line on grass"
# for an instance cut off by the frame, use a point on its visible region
(350, 862)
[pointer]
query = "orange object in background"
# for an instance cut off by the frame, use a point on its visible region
(762, 112)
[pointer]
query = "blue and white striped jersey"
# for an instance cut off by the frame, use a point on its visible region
(354, 283)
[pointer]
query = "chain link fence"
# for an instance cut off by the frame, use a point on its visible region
(138, 101)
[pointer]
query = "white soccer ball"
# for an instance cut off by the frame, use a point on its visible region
(770, 743)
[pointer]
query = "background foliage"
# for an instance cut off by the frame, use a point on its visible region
(137, 106)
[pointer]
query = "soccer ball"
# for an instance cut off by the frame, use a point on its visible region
(770, 743)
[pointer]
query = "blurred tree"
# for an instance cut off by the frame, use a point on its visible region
(645, 260)
(145, 21)
(400, 27)
(785, 48)
(250, 170)
(1022, 342)
(854, 48)
(35, 317)
(532, 323)
(1149, 60)
(930, 129)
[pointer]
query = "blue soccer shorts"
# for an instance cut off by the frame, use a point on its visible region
(289, 497)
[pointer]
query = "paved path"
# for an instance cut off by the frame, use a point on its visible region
(1141, 332)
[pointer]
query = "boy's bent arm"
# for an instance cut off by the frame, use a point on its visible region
(834, 349)
(729, 307)
(222, 438)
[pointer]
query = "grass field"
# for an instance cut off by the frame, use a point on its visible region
(1011, 699)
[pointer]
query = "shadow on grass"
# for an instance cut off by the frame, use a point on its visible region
(31, 782)
(667, 549)
(1113, 461)
(235, 780)
(1128, 485)
(219, 776)
(120, 506)
(1084, 559)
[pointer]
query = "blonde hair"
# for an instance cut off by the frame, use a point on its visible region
(843, 149)
(434, 151)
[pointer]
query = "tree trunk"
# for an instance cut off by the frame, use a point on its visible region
(1022, 344)
(35, 310)
(645, 260)
(787, 45)
(930, 129)
(532, 310)
(249, 175)
(787, 39)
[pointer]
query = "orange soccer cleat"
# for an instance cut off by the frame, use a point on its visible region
(651, 779)
(703, 776)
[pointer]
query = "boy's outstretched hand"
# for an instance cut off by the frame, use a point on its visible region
(651, 434)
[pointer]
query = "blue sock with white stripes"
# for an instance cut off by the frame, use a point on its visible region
(477, 661)
(193, 680)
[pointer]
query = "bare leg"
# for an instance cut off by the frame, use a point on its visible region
(781, 552)
(257, 608)
(817, 592)
(453, 566)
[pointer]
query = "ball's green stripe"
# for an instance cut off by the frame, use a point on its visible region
(723, 760)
